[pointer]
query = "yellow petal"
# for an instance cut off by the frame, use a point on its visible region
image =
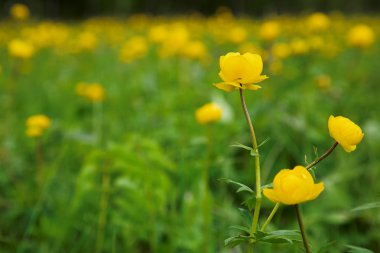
(234, 68)
(256, 64)
(252, 86)
(260, 78)
(225, 86)
(271, 195)
(317, 189)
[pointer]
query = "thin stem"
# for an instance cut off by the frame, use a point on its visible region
(302, 229)
(326, 154)
(256, 213)
(274, 210)
(39, 161)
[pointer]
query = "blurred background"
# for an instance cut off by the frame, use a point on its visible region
(62, 9)
(103, 147)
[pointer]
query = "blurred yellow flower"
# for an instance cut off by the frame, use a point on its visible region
(294, 186)
(345, 132)
(19, 11)
(240, 71)
(20, 49)
(281, 50)
(269, 30)
(361, 36)
(36, 124)
(323, 81)
(135, 48)
(299, 46)
(237, 34)
(208, 113)
(93, 92)
(318, 22)
(195, 50)
(87, 41)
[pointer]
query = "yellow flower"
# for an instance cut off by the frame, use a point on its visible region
(36, 124)
(19, 11)
(93, 92)
(345, 132)
(318, 22)
(294, 186)
(361, 36)
(281, 50)
(269, 30)
(240, 71)
(87, 41)
(135, 48)
(299, 46)
(210, 112)
(20, 49)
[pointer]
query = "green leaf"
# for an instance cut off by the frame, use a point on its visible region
(356, 249)
(326, 248)
(250, 202)
(246, 215)
(242, 187)
(239, 145)
(241, 228)
(263, 142)
(253, 152)
(366, 206)
(278, 237)
(267, 186)
(236, 240)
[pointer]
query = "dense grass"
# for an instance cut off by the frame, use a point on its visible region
(125, 174)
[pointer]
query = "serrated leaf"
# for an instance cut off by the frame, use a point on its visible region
(356, 249)
(242, 187)
(236, 240)
(241, 228)
(250, 202)
(279, 236)
(246, 215)
(366, 206)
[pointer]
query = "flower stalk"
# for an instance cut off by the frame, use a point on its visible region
(256, 213)
(326, 154)
(302, 229)
(269, 219)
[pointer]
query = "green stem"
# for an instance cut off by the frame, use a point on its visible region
(302, 229)
(274, 210)
(256, 213)
(326, 154)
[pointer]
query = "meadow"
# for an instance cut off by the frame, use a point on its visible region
(122, 165)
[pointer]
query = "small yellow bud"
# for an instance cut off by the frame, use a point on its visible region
(36, 125)
(345, 132)
(291, 187)
(318, 22)
(269, 31)
(208, 113)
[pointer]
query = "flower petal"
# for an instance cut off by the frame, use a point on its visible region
(271, 195)
(226, 86)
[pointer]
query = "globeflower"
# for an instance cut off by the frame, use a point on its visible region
(291, 187)
(208, 113)
(345, 132)
(93, 92)
(19, 11)
(240, 71)
(361, 36)
(37, 124)
(318, 22)
(20, 49)
(269, 31)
